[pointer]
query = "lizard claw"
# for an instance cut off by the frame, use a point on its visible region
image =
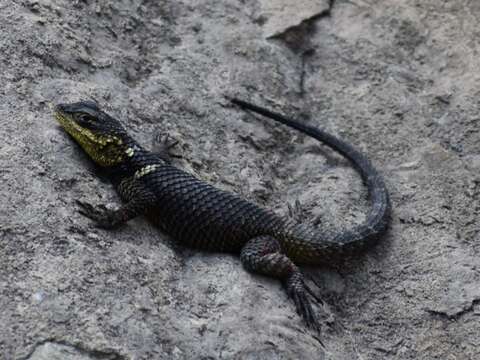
(103, 217)
(169, 141)
(297, 291)
(163, 143)
(86, 209)
(296, 211)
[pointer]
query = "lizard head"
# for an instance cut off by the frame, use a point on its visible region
(102, 137)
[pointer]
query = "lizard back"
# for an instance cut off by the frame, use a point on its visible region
(198, 214)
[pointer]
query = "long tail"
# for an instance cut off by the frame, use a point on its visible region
(316, 243)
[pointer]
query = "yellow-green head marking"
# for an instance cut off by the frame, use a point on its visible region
(102, 137)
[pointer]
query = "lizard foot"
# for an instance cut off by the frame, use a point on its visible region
(297, 291)
(296, 211)
(103, 217)
(163, 144)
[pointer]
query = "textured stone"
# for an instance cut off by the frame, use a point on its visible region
(397, 78)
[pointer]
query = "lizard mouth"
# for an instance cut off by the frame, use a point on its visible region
(68, 123)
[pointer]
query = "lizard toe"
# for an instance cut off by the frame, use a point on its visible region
(297, 291)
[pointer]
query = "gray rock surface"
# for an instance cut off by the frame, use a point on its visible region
(398, 78)
(279, 16)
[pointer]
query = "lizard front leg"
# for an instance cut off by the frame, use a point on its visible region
(138, 199)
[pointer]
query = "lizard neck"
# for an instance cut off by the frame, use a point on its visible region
(136, 158)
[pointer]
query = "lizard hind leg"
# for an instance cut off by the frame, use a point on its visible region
(263, 255)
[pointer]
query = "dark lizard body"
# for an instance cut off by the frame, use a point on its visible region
(202, 216)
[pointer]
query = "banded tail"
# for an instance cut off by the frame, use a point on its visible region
(312, 246)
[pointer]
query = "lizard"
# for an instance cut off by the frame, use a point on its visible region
(199, 215)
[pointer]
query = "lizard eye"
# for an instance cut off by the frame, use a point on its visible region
(84, 119)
